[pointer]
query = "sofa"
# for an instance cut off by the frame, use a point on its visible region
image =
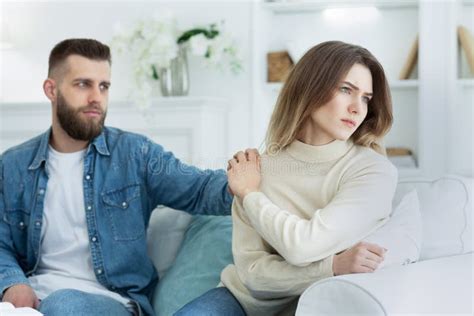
(190, 251)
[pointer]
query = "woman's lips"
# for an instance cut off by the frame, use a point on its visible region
(349, 123)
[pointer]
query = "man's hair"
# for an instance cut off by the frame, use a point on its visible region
(89, 48)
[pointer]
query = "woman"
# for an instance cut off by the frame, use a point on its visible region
(325, 184)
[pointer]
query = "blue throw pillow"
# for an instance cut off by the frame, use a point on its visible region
(206, 250)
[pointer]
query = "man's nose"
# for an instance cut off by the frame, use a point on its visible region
(95, 95)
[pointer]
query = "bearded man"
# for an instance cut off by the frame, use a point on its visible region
(75, 202)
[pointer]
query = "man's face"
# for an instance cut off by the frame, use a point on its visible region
(82, 97)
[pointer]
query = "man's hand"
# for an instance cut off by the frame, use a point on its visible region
(363, 257)
(243, 173)
(21, 295)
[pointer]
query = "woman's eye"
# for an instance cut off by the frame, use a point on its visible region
(366, 100)
(345, 90)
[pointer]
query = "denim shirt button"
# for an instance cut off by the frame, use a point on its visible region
(38, 223)
(124, 204)
(99, 271)
(21, 224)
(41, 191)
(88, 177)
(89, 208)
(94, 239)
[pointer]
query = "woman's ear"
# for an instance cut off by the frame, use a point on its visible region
(49, 88)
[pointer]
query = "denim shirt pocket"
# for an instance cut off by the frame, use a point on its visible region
(124, 211)
(18, 219)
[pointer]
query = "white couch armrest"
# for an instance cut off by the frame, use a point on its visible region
(441, 286)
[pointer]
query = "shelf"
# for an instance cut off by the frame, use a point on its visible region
(466, 83)
(404, 173)
(404, 84)
(394, 85)
(274, 86)
(284, 7)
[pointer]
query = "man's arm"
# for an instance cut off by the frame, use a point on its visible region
(14, 286)
(177, 185)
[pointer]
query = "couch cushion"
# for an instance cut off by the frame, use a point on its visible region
(165, 234)
(440, 286)
(206, 250)
(402, 234)
(446, 210)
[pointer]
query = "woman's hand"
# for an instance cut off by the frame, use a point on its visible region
(362, 258)
(243, 173)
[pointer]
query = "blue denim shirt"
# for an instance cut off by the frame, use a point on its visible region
(125, 177)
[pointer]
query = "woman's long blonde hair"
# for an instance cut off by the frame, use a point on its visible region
(313, 82)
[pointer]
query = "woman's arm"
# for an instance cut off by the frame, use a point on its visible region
(267, 275)
(262, 271)
(361, 204)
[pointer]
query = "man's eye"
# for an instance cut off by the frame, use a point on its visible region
(104, 87)
(81, 84)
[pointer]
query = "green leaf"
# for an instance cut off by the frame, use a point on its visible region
(155, 73)
(209, 33)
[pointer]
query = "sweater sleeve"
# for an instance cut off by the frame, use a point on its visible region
(361, 204)
(264, 273)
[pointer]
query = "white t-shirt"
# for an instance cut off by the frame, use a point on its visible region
(65, 260)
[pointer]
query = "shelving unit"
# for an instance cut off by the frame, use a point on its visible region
(461, 139)
(279, 25)
(466, 83)
(433, 112)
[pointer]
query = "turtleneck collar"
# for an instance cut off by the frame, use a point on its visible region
(322, 153)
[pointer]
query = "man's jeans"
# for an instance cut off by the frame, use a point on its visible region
(70, 302)
(216, 302)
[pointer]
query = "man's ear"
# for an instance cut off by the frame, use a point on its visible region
(49, 88)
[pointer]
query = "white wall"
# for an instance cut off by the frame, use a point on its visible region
(36, 26)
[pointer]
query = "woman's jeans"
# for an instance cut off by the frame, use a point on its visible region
(218, 301)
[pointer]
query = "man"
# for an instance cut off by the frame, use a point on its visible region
(75, 202)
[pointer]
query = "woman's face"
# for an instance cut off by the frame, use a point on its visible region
(343, 114)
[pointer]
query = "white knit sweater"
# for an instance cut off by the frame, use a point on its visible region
(315, 201)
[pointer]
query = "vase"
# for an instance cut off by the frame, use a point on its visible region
(174, 80)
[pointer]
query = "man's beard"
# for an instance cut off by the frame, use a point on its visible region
(75, 126)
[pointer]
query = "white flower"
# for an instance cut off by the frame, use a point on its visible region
(153, 43)
(224, 51)
(199, 45)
